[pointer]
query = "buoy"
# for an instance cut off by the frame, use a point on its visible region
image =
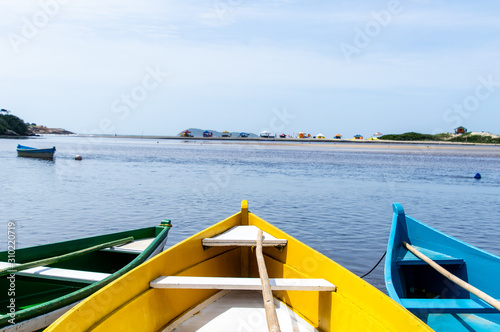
(78, 157)
(477, 176)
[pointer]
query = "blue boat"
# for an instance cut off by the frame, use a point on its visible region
(26, 151)
(434, 298)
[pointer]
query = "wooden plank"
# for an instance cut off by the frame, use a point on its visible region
(452, 306)
(242, 236)
(468, 287)
(277, 284)
(442, 259)
(59, 274)
(57, 259)
(271, 316)
(134, 247)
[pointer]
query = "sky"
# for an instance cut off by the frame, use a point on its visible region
(157, 67)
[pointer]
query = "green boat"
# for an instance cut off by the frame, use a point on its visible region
(39, 284)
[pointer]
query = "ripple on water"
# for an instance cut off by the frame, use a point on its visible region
(335, 200)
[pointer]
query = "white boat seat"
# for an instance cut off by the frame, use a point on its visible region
(132, 247)
(242, 236)
(277, 284)
(53, 273)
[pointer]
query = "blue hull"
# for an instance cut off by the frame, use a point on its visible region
(26, 151)
(440, 303)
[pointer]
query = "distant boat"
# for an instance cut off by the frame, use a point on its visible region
(186, 133)
(282, 136)
(266, 134)
(26, 151)
(417, 285)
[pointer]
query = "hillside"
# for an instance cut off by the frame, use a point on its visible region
(471, 137)
(12, 125)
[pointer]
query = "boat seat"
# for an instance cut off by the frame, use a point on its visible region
(53, 273)
(132, 247)
(277, 284)
(442, 259)
(242, 236)
(472, 306)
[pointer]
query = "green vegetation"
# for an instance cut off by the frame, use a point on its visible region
(465, 138)
(411, 136)
(471, 138)
(12, 123)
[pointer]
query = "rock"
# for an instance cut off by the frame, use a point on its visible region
(10, 133)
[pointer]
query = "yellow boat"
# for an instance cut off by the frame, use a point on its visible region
(217, 280)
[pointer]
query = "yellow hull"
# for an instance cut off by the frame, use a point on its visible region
(129, 304)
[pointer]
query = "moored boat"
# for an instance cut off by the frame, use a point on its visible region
(43, 282)
(453, 299)
(26, 151)
(217, 280)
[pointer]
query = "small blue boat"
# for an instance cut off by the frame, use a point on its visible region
(434, 298)
(26, 151)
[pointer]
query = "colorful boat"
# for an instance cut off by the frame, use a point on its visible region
(433, 297)
(26, 151)
(186, 133)
(41, 283)
(217, 280)
(266, 134)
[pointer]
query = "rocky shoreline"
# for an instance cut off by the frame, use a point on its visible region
(42, 130)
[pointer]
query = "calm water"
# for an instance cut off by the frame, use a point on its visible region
(335, 198)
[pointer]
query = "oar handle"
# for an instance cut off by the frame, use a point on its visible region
(271, 316)
(465, 285)
(56, 259)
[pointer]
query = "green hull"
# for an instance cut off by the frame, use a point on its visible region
(35, 294)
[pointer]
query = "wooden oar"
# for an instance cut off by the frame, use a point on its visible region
(56, 259)
(272, 319)
(482, 295)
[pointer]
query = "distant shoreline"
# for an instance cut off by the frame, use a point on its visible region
(293, 140)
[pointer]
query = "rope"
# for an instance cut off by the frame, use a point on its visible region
(381, 258)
